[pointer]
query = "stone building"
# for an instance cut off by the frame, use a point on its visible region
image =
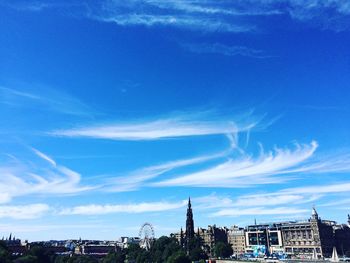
(236, 238)
(313, 238)
(309, 239)
(211, 236)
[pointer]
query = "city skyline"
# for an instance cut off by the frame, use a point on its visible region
(113, 113)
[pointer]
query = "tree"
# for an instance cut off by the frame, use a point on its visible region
(26, 259)
(81, 259)
(5, 255)
(143, 257)
(179, 257)
(163, 248)
(134, 253)
(61, 259)
(222, 250)
(114, 257)
(37, 254)
(42, 254)
(197, 254)
(195, 249)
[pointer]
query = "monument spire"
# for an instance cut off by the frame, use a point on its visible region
(189, 222)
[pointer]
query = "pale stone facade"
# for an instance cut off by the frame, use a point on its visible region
(236, 238)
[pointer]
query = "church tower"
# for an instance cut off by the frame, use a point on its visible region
(189, 222)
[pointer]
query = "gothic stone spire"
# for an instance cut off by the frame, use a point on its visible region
(189, 222)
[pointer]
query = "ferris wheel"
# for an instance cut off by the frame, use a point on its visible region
(146, 235)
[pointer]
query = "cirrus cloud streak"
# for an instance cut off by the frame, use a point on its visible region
(98, 209)
(246, 170)
(173, 127)
(20, 179)
(259, 211)
(23, 211)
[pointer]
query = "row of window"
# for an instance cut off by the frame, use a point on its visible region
(303, 250)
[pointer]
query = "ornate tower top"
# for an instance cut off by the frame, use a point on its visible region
(348, 219)
(189, 206)
(314, 214)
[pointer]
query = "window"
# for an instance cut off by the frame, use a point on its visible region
(274, 238)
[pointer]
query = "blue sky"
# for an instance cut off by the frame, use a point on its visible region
(114, 112)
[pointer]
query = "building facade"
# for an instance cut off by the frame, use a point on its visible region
(313, 238)
(211, 236)
(236, 238)
(310, 239)
(264, 239)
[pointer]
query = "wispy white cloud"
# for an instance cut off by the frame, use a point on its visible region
(7, 92)
(331, 14)
(338, 203)
(44, 156)
(136, 179)
(215, 201)
(205, 15)
(325, 14)
(217, 48)
(95, 209)
(255, 211)
(19, 179)
(238, 170)
(284, 202)
(178, 21)
(320, 189)
(4, 198)
(52, 100)
(336, 163)
(212, 201)
(222, 16)
(304, 194)
(23, 211)
(270, 201)
(24, 227)
(42, 5)
(40, 230)
(247, 170)
(178, 126)
(179, 14)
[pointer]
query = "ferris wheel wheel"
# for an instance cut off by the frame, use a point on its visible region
(146, 235)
